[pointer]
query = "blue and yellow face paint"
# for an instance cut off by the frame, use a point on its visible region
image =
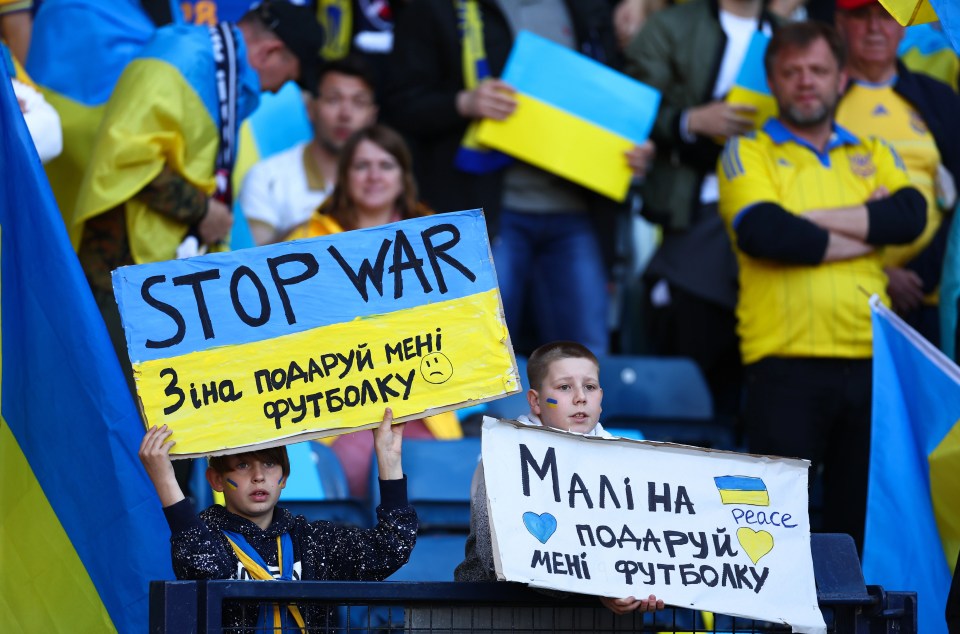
(552, 403)
(233, 485)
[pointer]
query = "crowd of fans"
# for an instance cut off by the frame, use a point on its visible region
(753, 277)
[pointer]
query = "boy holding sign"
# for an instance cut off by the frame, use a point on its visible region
(564, 394)
(254, 539)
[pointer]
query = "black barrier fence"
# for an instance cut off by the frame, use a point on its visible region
(179, 607)
(461, 608)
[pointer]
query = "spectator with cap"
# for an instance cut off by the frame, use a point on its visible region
(151, 178)
(916, 114)
(160, 164)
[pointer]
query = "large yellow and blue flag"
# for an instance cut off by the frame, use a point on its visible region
(81, 530)
(913, 520)
(78, 50)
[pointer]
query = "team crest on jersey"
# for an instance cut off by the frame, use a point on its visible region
(917, 123)
(862, 164)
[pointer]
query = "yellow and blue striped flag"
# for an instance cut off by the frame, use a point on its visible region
(750, 87)
(908, 12)
(81, 533)
(78, 50)
(913, 520)
(927, 49)
(575, 117)
(742, 490)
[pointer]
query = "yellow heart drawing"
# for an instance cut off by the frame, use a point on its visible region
(755, 543)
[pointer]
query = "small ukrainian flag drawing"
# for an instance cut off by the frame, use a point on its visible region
(552, 403)
(742, 490)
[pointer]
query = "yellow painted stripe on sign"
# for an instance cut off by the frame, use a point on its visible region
(472, 364)
(559, 142)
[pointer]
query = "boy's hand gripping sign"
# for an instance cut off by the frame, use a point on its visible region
(710, 530)
(298, 340)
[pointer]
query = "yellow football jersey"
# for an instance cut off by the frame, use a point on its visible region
(795, 310)
(876, 110)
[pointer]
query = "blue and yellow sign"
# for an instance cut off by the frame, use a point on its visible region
(316, 337)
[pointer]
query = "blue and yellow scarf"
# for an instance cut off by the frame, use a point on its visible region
(472, 157)
(258, 570)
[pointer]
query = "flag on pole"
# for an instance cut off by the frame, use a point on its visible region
(909, 12)
(913, 519)
(81, 531)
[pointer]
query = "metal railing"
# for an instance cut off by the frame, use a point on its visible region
(461, 608)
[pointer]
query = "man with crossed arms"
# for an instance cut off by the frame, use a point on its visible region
(809, 207)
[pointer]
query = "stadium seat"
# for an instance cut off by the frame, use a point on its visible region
(439, 473)
(666, 398)
(318, 487)
(433, 558)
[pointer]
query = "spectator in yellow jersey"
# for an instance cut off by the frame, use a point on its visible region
(917, 116)
(810, 207)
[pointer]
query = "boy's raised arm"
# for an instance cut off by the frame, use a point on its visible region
(387, 440)
(155, 456)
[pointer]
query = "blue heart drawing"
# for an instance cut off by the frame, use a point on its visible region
(540, 526)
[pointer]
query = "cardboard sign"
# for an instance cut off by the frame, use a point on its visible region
(704, 529)
(267, 346)
(575, 117)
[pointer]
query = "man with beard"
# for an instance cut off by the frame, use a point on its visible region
(809, 207)
(282, 191)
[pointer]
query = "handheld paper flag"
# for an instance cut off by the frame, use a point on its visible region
(575, 117)
(750, 87)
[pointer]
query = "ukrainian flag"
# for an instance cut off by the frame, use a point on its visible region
(908, 12)
(926, 49)
(742, 490)
(750, 88)
(913, 519)
(77, 52)
(575, 117)
(81, 531)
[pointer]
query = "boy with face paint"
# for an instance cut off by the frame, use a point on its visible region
(253, 538)
(564, 394)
